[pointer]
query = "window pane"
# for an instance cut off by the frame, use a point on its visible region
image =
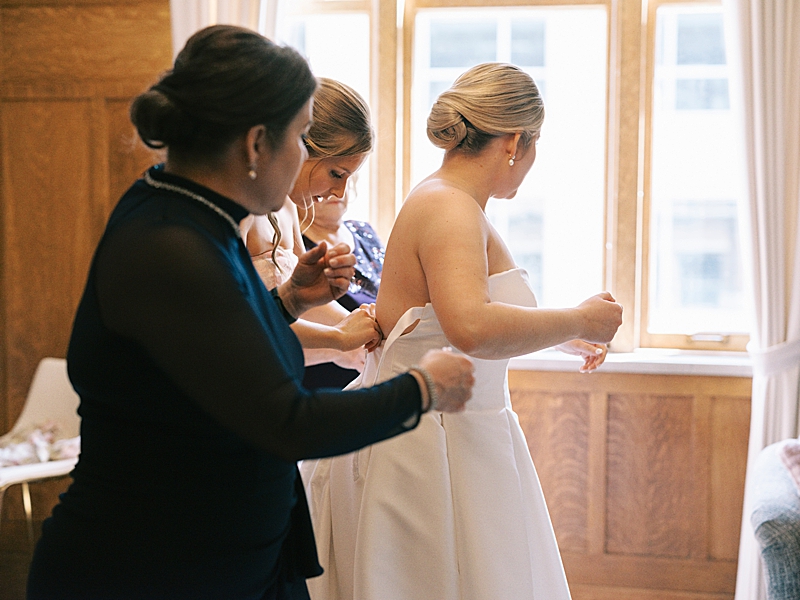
(555, 224)
(700, 39)
(695, 283)
(342, 57)
(462, 44)
(527, 43)
(701, 94)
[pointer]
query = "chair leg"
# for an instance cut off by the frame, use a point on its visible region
(26, 502)
(2, 493)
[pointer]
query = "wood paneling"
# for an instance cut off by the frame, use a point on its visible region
(68, 71)
(643, 476)
(48, 242)
(728, 461)
(128, 156)
(581, 592)
(60, 41)
(556, 426)
(649, 475)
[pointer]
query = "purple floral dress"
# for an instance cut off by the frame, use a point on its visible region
(369, 252)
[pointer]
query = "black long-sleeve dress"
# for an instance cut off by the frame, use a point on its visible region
(193, 416)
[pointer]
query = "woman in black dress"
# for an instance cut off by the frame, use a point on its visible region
(193, 412)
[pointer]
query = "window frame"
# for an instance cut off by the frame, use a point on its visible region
(704, 341)
(630, 67)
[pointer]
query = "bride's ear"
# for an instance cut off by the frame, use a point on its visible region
(512, 143)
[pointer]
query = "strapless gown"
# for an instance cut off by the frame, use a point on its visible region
(452, 510)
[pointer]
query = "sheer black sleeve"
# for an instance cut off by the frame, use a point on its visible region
(177, 294)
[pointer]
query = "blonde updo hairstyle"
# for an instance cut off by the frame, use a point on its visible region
(341, 122)
(487, 101)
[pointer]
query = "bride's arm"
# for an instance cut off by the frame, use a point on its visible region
(453, 241)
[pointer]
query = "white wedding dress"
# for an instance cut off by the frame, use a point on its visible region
(452, 510)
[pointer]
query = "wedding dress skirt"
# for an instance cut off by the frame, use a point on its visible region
(452, 510)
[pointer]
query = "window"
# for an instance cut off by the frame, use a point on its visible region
(336, 44)
(694, 285)
(563, 198)
(635, 188)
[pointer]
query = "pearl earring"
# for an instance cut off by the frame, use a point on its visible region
(252, 173)
(511, 160)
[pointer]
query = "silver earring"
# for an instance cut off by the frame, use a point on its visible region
(511, 160)
(252, 173)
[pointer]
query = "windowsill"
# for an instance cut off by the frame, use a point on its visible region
(650, 361)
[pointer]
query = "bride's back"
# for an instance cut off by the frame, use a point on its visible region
(442, 250)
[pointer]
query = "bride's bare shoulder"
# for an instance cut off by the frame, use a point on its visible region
(434, 197)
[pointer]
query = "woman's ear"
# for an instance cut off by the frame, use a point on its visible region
(512, 144)
(256, 144)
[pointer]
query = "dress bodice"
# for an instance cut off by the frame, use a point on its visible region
(400, 352)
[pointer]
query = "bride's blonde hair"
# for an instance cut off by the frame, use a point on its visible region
(488, 100)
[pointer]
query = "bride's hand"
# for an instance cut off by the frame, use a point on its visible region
(593, 355)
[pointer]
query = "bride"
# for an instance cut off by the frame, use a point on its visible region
(454, 510)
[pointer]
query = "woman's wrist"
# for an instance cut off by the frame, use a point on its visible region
(279, 300)
(427, 388)
(286, 293)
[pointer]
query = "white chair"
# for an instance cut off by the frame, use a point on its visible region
(50, 398)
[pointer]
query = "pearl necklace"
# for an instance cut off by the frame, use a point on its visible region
(179, 190)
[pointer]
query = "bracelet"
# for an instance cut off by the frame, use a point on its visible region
(286, 314)
(433, 396)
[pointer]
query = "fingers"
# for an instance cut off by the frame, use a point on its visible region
(594, 360)
(340, 256)
(340, 248)
(312, 256)
(338, 285)
(339, 261)
(339, 270)
(370, 308)
(454, 396)
(453, 375)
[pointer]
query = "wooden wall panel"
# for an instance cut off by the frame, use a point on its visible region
(68, 71)
(114, 41)
(128, 156)
(649, 475)
(653, 466)
(556, 426)
(48, 244)
(588, 592)
(728, 463)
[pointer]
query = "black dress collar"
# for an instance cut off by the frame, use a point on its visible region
(236, 211)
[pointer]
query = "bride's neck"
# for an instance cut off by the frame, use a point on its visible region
(460, 172)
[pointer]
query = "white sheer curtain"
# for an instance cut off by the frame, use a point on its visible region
(767, 35)
(190, 15)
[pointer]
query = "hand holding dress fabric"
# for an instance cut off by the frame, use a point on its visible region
(358, 329)
(452, 376)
